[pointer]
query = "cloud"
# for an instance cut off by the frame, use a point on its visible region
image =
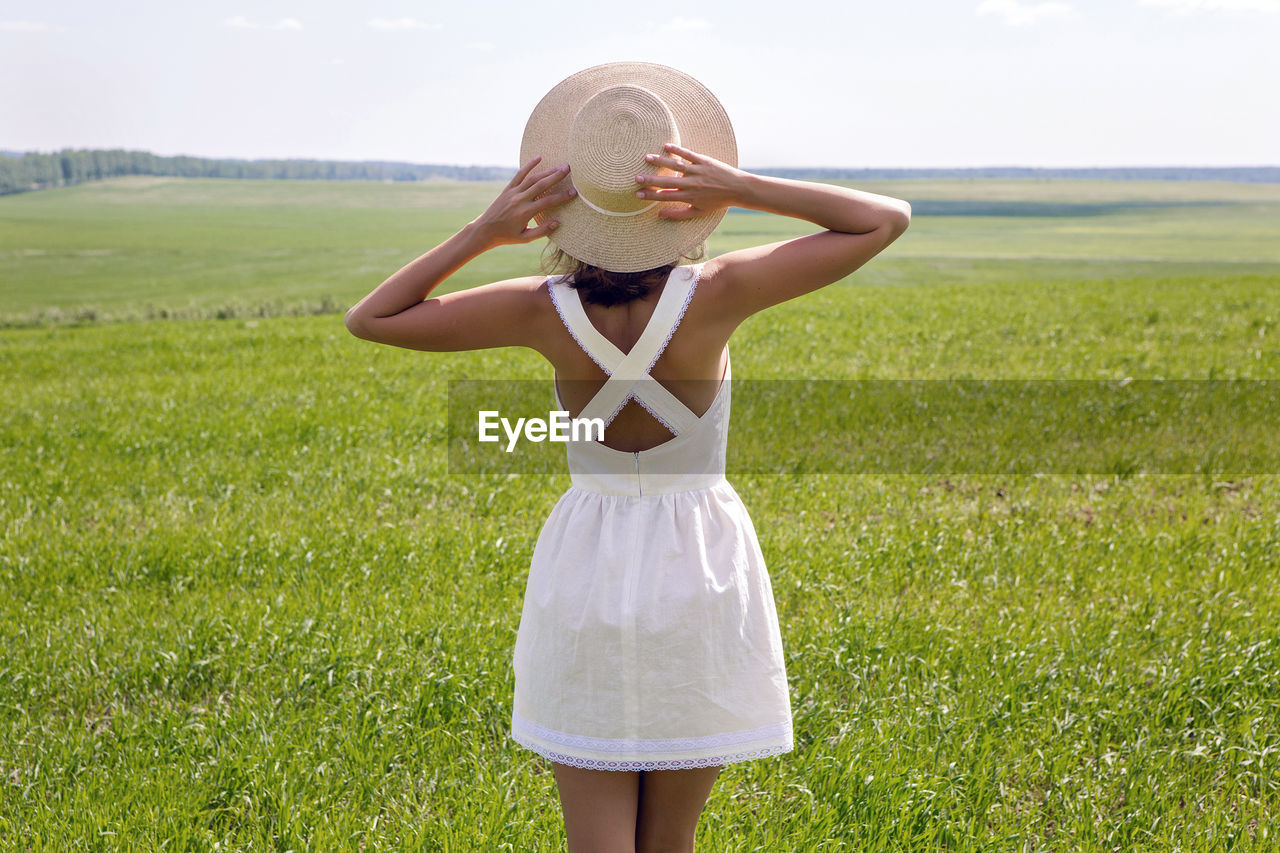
(400, 24)
(686, 25)
(482, 46)
(27, 27)
(240, 22)
(1188, 6)
(1019, 14)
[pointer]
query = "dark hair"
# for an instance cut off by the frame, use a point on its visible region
(600, 286)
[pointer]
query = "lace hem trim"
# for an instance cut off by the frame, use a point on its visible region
(659, 764)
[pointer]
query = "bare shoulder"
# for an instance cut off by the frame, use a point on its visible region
(719, 292)
(528, 286)
(714, 280)
(513, 297)
(511, 301)
(511, 312)
(711, 306)
(534, 320)
(524, 304)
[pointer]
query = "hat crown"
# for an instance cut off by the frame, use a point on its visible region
(606, 225)
(608, 140)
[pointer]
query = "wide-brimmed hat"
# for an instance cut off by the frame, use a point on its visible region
(602, 122)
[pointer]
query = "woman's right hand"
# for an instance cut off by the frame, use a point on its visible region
(507, 218)
(705, 185)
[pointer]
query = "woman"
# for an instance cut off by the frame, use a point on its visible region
(648, 654)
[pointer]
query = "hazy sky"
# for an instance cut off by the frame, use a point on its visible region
(806, 83)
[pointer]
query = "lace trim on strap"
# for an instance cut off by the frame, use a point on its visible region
(555, 300)
(631, 395)
(688, 297)
(657, 417)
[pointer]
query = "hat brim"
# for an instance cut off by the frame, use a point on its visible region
(643, 241)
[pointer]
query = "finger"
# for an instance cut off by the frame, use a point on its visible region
(681, 213)
(524, 171)
(663, 195)
(538, 205)
(555, 198)
(666, 181)
(546, 180)
(668, 162)
(533, 177)
(691, 156)
(531, 234)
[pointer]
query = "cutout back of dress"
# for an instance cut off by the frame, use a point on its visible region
(694, 457)
(629, 372)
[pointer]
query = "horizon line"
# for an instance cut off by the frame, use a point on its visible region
(758, 168)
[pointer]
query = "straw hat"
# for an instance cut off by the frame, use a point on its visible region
(602, 122)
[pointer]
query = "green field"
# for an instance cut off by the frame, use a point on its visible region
(143, 247)
(245, 606)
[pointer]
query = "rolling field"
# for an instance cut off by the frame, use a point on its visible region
(143, 247)
(244, 604)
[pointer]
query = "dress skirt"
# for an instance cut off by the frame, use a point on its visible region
(648, 638)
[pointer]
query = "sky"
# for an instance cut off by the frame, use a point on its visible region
(840, 83)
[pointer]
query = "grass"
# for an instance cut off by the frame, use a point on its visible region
(244, 605)
(143, 248)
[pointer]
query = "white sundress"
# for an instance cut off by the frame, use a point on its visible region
(648, 638)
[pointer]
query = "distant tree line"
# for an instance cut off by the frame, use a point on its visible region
(32, 171)
(1239, 174)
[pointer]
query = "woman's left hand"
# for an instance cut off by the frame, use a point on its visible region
(507, 219)
(704, 183)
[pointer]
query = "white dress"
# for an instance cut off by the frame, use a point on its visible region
(648, 638)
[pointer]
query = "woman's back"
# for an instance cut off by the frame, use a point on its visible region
(691, 365)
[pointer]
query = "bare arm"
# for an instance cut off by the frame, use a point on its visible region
(399, 313)
(859, 226)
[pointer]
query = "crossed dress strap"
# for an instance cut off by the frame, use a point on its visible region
(629, 372)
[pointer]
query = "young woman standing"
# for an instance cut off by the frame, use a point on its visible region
(649, 653)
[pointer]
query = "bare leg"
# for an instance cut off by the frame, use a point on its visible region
(671, 801)
(599, 808)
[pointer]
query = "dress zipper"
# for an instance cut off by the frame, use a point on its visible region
(639, 486)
